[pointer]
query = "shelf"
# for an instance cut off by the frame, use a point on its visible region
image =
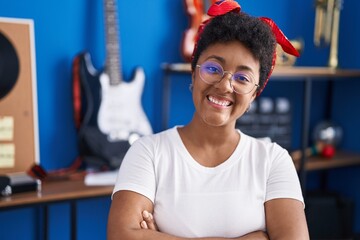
(341, 159)
(314, 72)
(284, 72)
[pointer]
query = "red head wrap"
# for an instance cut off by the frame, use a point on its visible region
(222, 7)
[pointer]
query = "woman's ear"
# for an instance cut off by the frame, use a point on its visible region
(192, 76)
(253, 96)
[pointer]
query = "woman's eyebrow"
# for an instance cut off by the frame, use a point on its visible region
(223, 61)
(220, 59)
(244, 67)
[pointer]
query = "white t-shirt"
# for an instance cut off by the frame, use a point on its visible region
(191, 200)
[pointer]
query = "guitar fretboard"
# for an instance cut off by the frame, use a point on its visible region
(113, 64)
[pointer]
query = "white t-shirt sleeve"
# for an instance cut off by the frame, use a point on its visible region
(283, 180)
(136, 172)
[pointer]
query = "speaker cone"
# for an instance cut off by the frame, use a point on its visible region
(9, 66)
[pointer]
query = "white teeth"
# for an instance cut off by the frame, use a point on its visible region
(218, 102)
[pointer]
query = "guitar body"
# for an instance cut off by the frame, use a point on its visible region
(88, 79)
(117, 109)
(121, 114)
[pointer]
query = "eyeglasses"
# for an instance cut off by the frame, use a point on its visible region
(212, 72)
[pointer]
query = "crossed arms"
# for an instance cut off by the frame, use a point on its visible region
(285, 219)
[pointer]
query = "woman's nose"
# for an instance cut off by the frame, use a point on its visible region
(225, 82)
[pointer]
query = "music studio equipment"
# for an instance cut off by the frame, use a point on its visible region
(196, 10)
(326, 31)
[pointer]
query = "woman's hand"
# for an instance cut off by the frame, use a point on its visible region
(148, 221)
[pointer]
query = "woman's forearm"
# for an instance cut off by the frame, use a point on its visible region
(146, 234)
(149, 223)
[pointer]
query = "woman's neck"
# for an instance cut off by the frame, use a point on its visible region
(203, 133)
(209, 145)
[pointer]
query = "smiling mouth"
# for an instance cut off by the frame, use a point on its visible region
(223, 103)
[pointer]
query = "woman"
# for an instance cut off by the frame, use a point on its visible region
(208, 180)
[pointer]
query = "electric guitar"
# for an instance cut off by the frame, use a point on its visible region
(113, 117)
(196, 10)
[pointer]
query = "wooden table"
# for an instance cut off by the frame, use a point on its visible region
(54, 192)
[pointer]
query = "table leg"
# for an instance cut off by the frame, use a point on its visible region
(73, 219)
(45, 221)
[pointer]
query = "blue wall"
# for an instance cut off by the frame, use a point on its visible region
(151, 33)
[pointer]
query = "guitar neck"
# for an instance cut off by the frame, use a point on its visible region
(113, 64)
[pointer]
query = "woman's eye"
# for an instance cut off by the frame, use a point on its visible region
(213, 69)
(241, 78)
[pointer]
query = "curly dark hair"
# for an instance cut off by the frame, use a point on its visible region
(250, 31)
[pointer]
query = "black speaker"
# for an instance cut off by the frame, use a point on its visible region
(18, 183)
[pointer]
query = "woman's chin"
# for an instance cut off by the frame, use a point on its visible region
(216, 120)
